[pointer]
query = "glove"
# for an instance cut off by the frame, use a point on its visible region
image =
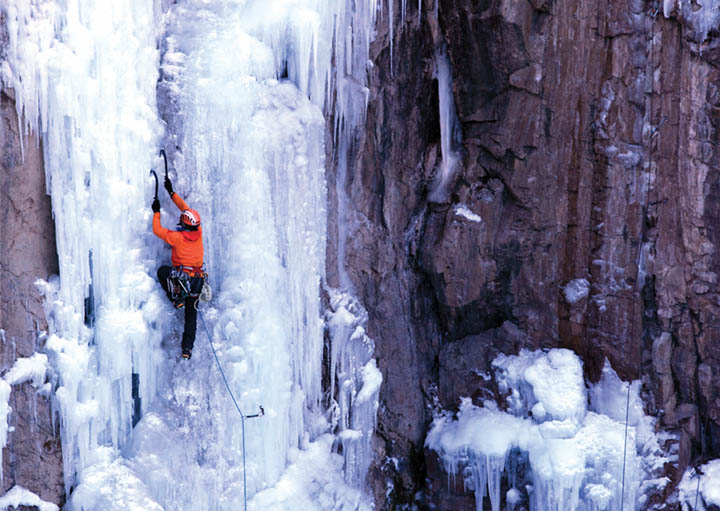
(168, 186)
(156, 206)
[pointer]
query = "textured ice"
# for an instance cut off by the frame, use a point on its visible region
(536, 377)
(574, 454)
(359, 380)
(248, 84)
(576, 290)
(701, 485)
(31, 368)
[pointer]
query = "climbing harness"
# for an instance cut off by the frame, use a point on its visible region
(188, 282)
(232, 396)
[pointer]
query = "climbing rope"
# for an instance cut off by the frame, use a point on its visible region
(242, 415)
(627, 416)
(697, 491)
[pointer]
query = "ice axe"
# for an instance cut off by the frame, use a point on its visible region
(162, 153)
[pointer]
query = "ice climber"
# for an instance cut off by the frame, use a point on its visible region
(183, 281)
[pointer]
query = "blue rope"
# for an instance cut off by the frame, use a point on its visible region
(242, 415)
(220, 367)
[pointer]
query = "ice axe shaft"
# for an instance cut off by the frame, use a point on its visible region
(162, 152)
(156, 182)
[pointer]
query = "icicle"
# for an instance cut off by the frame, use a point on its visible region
(391, 27)
(359, 383)
(450, 136)
(99, 132)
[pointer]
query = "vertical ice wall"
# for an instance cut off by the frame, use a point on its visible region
(355, 29)
(263, 173)
(84, 76)
(251, 160)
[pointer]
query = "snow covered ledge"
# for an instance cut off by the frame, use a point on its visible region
(554, 451)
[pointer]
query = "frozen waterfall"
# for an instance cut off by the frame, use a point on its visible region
(245, 90)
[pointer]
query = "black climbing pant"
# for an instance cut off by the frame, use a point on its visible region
(196, 283)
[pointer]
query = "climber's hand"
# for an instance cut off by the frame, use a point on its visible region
(156, 206)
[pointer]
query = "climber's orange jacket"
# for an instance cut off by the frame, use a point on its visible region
(187, 246)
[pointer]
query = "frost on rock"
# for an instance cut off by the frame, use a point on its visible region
(31, 369)
(556, 453)
(702, 15)
(4, 412)
(576, 290)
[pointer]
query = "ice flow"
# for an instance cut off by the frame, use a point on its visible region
(247, 88)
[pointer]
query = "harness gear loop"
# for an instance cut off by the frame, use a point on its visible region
(188, 282)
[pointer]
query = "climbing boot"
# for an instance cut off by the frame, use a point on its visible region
(186, 354)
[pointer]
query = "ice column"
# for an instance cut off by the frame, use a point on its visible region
(358, 380)
(449, 128)
(252, 152)
(84, 76)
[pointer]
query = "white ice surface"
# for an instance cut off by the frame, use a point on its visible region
(31, 368)
(701, 486)
(18, 496)
(250, 157)
(464, 211)
(575, 454)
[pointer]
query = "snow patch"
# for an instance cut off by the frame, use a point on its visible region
(701, 484)
(32, 369)
(571, 456)
(18, 496)
(465, 212)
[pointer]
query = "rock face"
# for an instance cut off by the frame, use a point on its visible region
(32, 458)
(589, 151)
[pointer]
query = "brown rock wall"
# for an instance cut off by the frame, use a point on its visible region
(32, 457)
(589, 151)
